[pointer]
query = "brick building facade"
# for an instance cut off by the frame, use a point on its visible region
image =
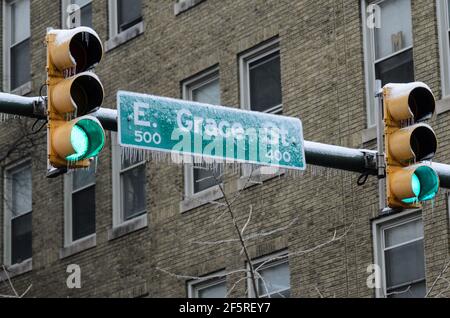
(151, 230)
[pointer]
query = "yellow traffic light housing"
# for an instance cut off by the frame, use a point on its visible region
(73, 92)
(407, 143)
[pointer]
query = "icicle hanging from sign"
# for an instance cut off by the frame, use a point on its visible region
(7, 117)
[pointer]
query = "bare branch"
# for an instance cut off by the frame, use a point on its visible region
(407, 290)
(438, 278)
(16, 294)
(445, 290)
(249, 237)
(181, 276)
(9, 281)
(335, 238)
(248, 220)
(318, 291)
(244, 247)
(234, 285)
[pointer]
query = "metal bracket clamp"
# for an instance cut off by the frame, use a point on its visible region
(381, 166)
(40, 108)
(370, 161)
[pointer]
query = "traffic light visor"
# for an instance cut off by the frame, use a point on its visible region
(421, 103)
(86, 92)
(78, 49)
(80, 94)
(409, 101)
(413, 143)
(86, 50)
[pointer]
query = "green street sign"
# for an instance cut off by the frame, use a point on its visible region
(222, 134)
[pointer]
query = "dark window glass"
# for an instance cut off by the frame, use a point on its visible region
(415, 290)
(405, 266)
(205, 178)
(83, 213)
(215, 291)
(275, 281)
(21, 238)
(85, 12)
(129, 13)
(265, 83)
(20, 64)
(397, 69)
(86, 15)
(133, 189)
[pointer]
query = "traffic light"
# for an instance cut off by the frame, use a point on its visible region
(409, 142)
(74, 91)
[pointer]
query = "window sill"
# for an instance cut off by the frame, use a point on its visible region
(23, 89)
(128, 227)
(201, 198)
(443, 105)
(369, 134)
(257, 178)
(124, 36)
(184, 5)
(78, 246)
(17, 269)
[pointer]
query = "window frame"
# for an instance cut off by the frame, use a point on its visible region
(444, 45)
(378, 228)
(7, 218)
(248, 58)
(119, 221)
(64, 15)
(280, 258)
(370, 61)
(194, 286)
(261, 174)
(68, 212)
(117, 38)
(188, 87)
(7, 46)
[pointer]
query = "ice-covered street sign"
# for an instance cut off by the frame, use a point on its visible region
(223, 134)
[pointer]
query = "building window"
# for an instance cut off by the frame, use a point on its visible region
(17, 56)
(208, 288)
(129, 184)
(203, 89)
(18, 207)
(71, 18)
(125, 21)
(79, 205)
(273, 277)
(443, 14)
(261, 79)
(260, 86)
(400, 254)
(389, 48)
(129, 13)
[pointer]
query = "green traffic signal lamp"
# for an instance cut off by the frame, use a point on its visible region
(414, 184)
(79, 139)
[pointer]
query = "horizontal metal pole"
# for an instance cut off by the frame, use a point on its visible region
(108, 118)
(363, 161)
(443, 170)
(22, 106)
(330, 156)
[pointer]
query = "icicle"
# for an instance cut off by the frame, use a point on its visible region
(7, 117)
(95, 165)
